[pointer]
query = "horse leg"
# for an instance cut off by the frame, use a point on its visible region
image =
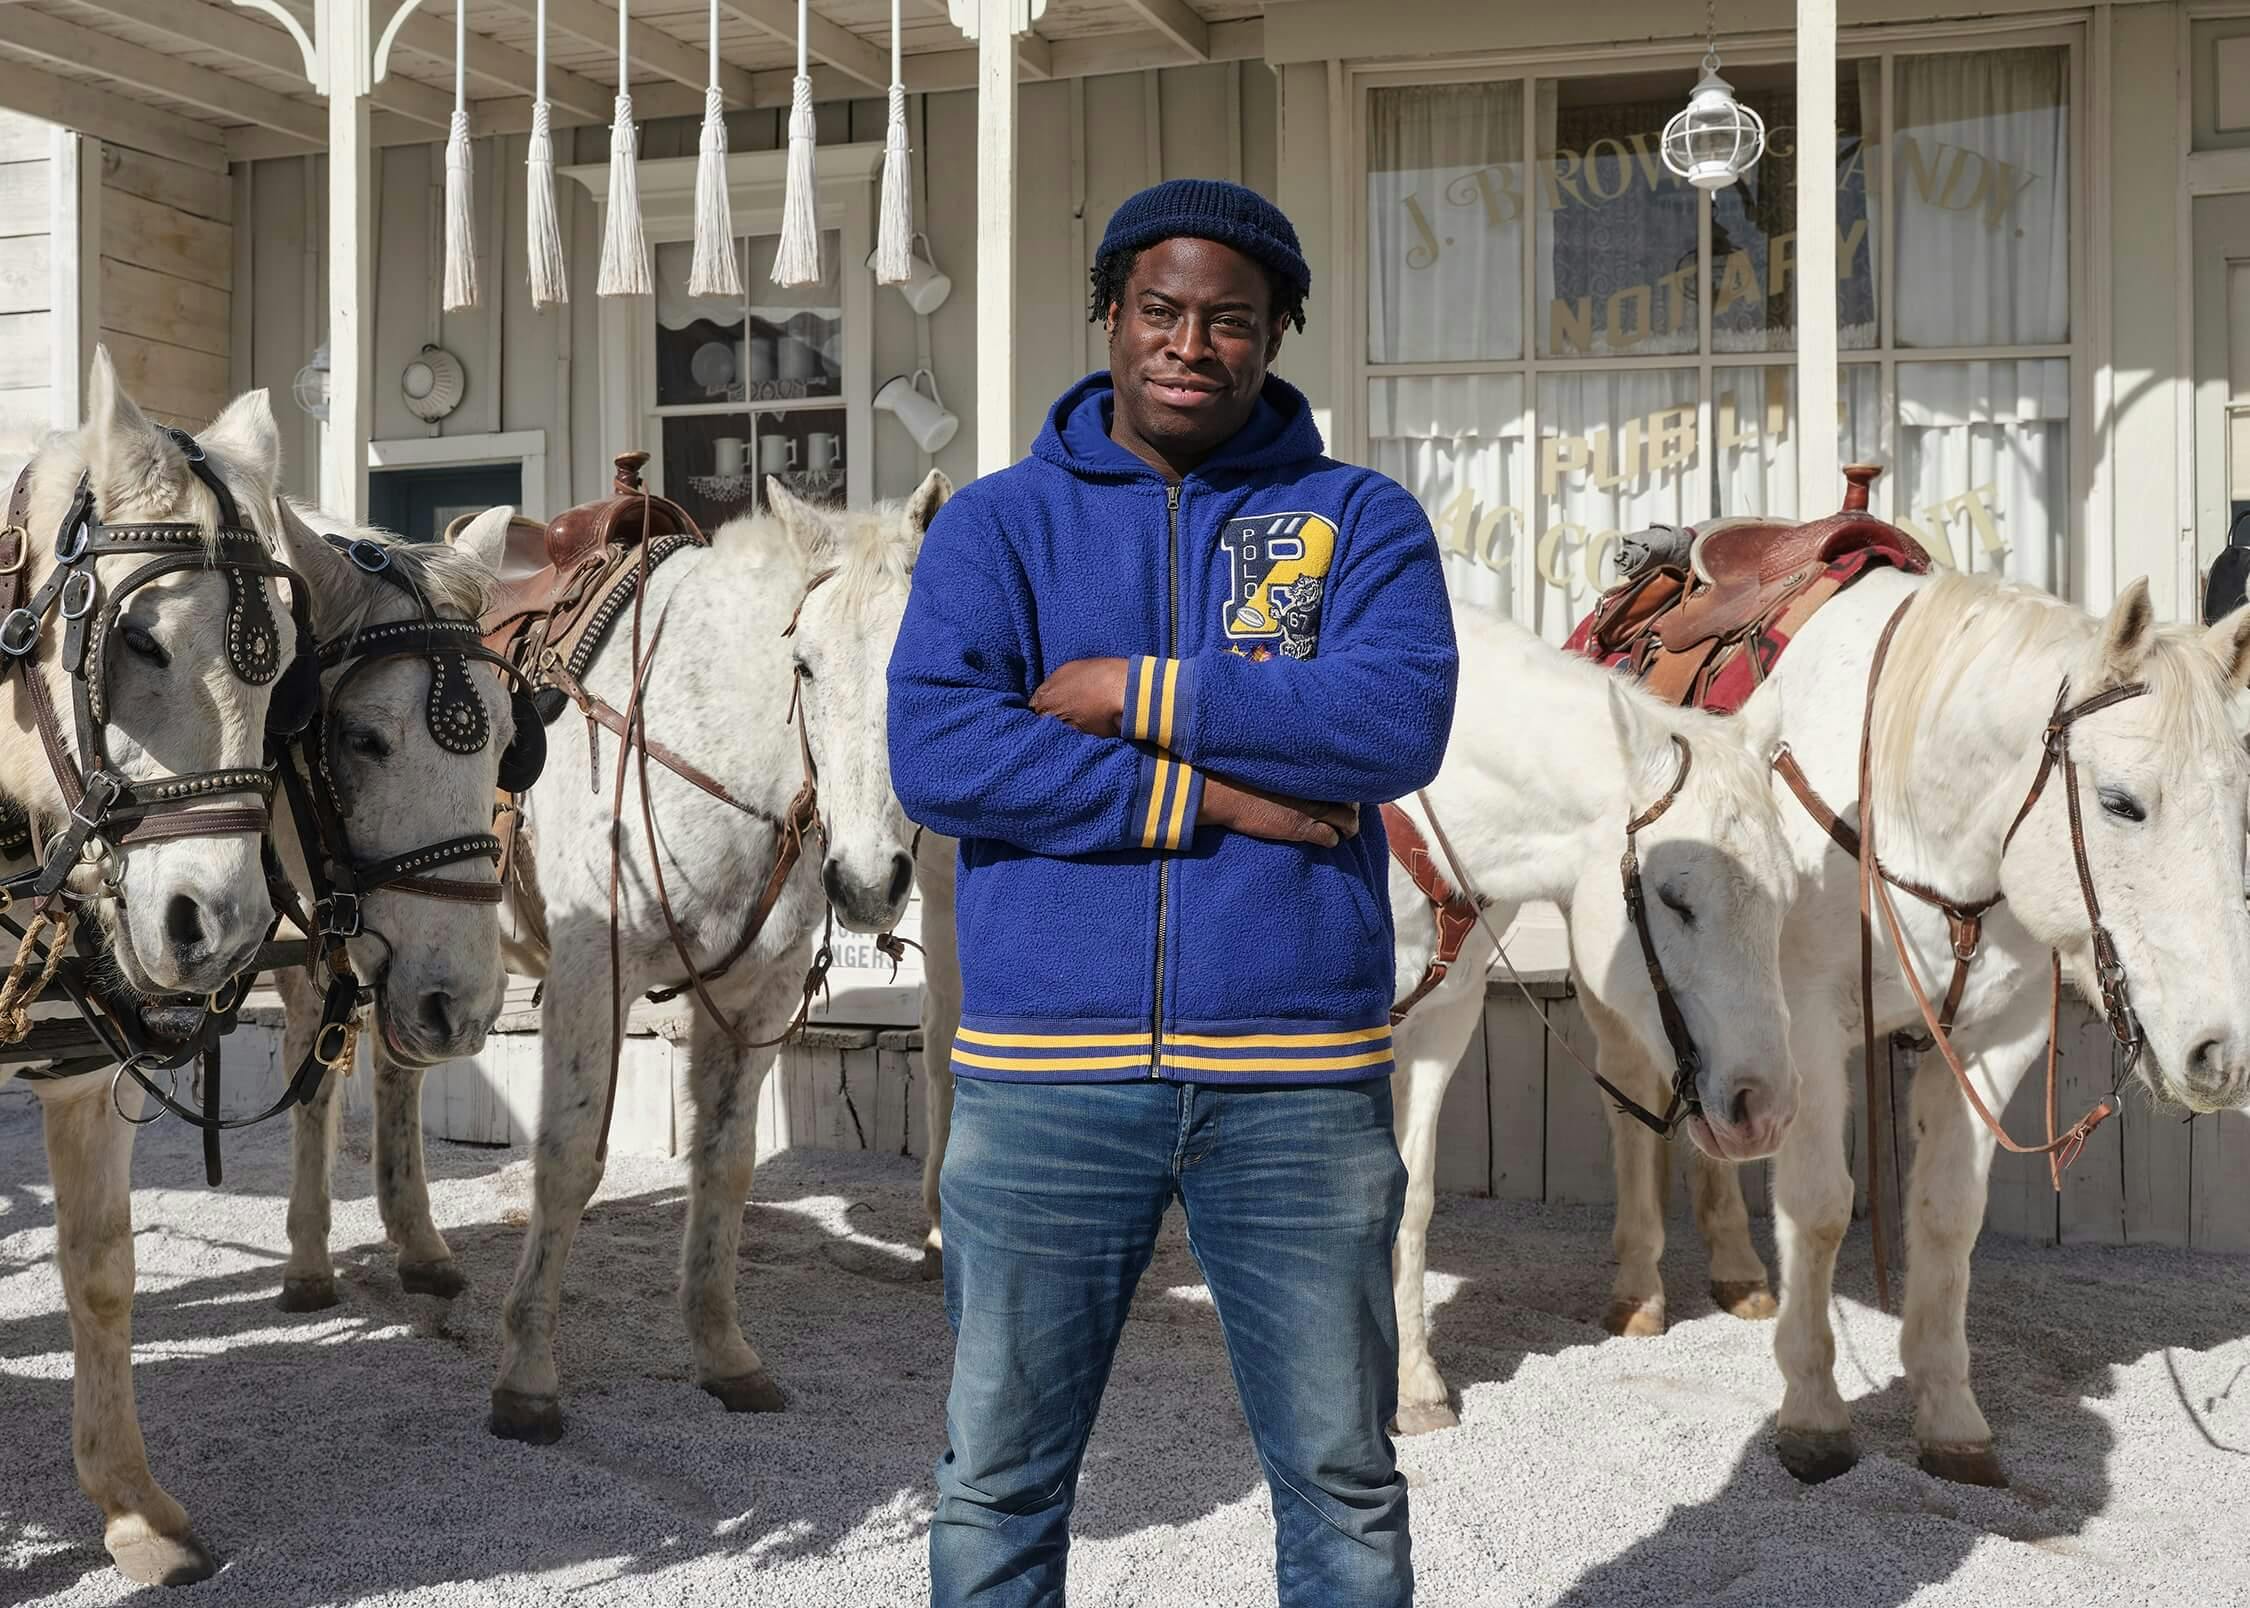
(1643, 1169)
(941, 1017)
(90, 1158)
(566, 1167)
(402, 1189)
(1738, 1275)
(1945, 1202)
(724, 1080)
(308, 1277)
(1812, 1209)
(1429, 1049)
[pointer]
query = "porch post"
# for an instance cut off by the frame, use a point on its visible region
(1819, 479)
(996, 233)
(346, 45)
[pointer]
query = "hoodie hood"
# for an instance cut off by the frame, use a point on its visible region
(1280, 432)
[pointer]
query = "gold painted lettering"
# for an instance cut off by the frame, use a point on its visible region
(1560, 455)
(1675, 286)
(1618, 163)
(1570, 325)
(1737, 282)
(1672, 442)
(1623, 336)
(1424, 252)
(1550, 553)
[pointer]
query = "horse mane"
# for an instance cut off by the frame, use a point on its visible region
(2020, 642)
(863, 548)
(442, 575)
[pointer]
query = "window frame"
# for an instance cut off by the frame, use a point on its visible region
(2082, 527)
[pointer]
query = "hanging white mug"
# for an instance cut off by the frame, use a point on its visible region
(777, 455)
(925, 417)
(821, 451)
(926, 285)
(732, 454)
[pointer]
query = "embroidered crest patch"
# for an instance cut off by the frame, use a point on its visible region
(1279, 566)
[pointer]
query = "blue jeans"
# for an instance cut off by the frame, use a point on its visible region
(1052, 1195)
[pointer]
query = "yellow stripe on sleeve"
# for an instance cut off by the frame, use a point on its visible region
(1173, 838)
(1171, 692)
(1148, 688)
(1156, 802)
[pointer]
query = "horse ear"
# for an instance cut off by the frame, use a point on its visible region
(2229, 642)
(135, 467)
(803, 521)
(921, 508)
(1643, 745)
(2128, 633)
(485, 538)
(247, 438)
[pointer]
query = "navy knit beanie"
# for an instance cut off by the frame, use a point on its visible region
(1210, 209)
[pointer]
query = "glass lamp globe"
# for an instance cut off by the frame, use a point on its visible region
(1716, 139)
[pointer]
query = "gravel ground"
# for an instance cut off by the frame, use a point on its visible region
(342, 1457)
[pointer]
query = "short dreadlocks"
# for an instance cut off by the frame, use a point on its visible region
(1113, 271)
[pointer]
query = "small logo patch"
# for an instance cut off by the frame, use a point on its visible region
(1279, 567)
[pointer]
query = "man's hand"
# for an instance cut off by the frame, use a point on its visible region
(1086, 693)
(1273, 817)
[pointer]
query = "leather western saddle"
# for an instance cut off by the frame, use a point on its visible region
(562, 584)
(1709, 633)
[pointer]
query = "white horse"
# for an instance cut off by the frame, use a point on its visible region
(718, 692)
(189, 911)
(1966, 694)
(1537, 808)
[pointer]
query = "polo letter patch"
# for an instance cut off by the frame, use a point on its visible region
(1279, 564)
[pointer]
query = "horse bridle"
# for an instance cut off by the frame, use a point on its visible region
(455, 715)
(1687, 1064)
(106, 808)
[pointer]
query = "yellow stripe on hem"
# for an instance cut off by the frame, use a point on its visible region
(1277, 1041)
(1156, 802)
(1038, 1041)
(1021, 1063)
(1321, 1063)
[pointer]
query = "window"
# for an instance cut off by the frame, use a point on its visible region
(748, 387)
(1574, 344)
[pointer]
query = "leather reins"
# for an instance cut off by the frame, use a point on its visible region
(1875, 884)
(1687, 1062)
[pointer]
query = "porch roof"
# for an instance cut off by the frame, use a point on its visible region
(208, 82)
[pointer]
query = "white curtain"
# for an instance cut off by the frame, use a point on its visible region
(1983, 194)
(1456, 441)
(1445, 186)
(1984, 471)
(1611, 460)
(1754, 429)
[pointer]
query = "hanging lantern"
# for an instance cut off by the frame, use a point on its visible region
(1717, 139)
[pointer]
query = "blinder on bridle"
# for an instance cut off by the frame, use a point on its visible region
(455, 716)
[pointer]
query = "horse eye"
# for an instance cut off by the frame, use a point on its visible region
(804, 671)
(2116, 801)
(139, 642)
(1677, 905)
(367, 742)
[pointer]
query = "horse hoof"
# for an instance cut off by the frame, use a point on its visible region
(148, 1559)
(1965, 1465)
(1421, 1417)
(534, 1420)
(444, 1280)
(307, 1295)
(1815, 1455)
(1745, 1298)
(933, 1262)
(1640, 1320)
(748, 1393)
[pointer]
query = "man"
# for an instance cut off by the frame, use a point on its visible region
(1155, 678)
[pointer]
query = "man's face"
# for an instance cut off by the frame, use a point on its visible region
(1189, 343)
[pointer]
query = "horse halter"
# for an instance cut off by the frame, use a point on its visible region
(1687, 1064)
(2109, 967)
(455, 715)
(107, 808)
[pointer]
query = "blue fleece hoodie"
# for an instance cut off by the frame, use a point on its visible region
(1286, 624)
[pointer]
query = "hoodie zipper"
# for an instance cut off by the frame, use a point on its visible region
(1164, 865)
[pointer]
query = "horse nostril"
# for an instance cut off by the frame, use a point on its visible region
(1740, 1110)
(437, 1013)
(902, 877)
(831, 883)
(183, 922)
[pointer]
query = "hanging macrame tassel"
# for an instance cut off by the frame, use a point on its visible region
(714, 273)
(894, 232)
(624, 246)
(550, 280)
(798, 260)
(460, 183)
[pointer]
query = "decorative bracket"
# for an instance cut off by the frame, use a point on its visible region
(313, 67)
(406, 8)
(964, 15)
(369, 71)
